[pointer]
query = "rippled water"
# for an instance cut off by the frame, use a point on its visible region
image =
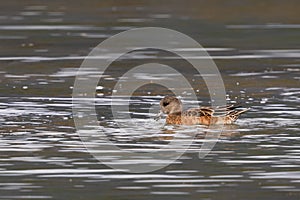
(42, 156)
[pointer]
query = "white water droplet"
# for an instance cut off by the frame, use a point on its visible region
(99, 87)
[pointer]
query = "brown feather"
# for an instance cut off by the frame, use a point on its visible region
(203, 115)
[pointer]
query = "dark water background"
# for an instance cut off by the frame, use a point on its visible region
(256, 46)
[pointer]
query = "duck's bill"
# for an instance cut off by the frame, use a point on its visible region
(158, 116)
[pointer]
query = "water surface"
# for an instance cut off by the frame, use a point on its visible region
(42, 47)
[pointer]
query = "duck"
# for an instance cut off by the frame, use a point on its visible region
(172, 107)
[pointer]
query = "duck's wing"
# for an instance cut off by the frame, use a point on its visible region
(225, 110)
(198, 112)
(209, 111)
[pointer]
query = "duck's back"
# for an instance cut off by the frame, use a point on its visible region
(205, 116)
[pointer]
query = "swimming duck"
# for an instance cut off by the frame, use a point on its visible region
(172, 106)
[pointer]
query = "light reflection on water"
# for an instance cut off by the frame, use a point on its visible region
(247, 55)
(35, 152)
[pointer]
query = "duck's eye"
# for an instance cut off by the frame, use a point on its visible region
(165, 104)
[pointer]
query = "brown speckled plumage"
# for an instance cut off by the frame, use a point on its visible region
(203, 115)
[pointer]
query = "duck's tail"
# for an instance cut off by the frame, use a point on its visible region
(234, 114)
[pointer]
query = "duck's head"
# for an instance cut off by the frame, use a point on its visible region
(169, 105)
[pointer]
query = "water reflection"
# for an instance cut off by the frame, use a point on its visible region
(63, 155)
